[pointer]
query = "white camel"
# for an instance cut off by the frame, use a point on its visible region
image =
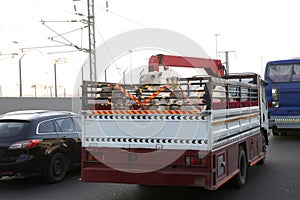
(174, 93)
(171, 79)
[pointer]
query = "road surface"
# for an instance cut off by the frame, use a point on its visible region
(278, 179)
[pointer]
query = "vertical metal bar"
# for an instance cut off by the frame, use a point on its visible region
(55, 80)
(92, 40)
(227, 62)
(20, 75)
(84, 95)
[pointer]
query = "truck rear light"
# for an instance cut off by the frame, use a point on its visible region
(195, 161)
(270, 105)
(95, 156)
(275, 104)
(26, 144)
(275, 94)
(90, 157)
(275, 97)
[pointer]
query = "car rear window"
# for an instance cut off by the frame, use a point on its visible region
(11, 128)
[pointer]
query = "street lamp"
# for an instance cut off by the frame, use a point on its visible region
(226, 59)
(216, 35)
(64, 90)
(130, 65)
(105, 73)
(55, 79)
(124, 73)
(34, 87)
(20, 74)
(50, 88)
(61, 60)
(20, 68)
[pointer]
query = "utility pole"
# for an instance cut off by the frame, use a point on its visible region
(92, 40)
(226, 59)
(90, 21)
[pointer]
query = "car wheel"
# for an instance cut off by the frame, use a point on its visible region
(57, 168)
(242, 166)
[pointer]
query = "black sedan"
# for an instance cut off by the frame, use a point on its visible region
(39, 143)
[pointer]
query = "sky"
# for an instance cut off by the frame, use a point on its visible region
(255, 31)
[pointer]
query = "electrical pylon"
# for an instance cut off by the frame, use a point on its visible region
(92, 39)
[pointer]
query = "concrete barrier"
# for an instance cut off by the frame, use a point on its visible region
(8, 104)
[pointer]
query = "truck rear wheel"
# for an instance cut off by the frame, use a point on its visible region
(242, 166)
(275, 131)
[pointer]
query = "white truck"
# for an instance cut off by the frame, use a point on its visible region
(199, 139)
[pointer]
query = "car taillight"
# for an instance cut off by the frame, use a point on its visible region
(26, 144)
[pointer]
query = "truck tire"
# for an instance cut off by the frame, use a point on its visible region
(275, 131)
(57, 168)
(242, 166)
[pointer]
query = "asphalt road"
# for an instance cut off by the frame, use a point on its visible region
(278, 179)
